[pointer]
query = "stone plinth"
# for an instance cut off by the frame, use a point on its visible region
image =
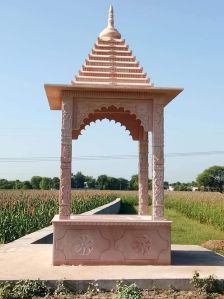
(111, 239)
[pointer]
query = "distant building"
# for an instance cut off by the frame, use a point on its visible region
(171, 188)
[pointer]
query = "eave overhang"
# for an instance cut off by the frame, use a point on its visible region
(54, 92)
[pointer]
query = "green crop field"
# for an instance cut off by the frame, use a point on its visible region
(197, 216)
(205, 207)
(23, 212)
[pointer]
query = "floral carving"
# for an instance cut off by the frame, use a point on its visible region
(141, 245)
(142, 110)
(158, 182)
(158, 156)
(64, 210)
(83, 244)
(66, 120)
(158, 212)
(158, 123)
(66, 154)
(143, 175)
(158, 162)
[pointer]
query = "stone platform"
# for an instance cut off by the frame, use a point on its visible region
(111, 240)
(30, 257)
(22, 259)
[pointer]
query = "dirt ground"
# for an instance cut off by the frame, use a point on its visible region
(214, 244)
(147, 294)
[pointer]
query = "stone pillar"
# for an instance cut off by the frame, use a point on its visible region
(66, 157)
(158, 162)
(143, 175)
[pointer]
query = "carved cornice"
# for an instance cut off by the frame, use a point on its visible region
(67, 94)
(107, 94)
(74, 224)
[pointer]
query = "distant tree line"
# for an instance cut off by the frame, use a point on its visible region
(178, 186)
(78, 181)
(36, 182)
(211, 179)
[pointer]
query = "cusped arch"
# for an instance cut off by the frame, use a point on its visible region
(119, 115)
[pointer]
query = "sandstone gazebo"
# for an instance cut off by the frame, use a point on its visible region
(112, 85)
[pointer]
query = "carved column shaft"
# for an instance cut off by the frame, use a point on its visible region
(158, 162)
(143, 175)
(66, 157)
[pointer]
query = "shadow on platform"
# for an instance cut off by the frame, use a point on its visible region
(45, 240)
(178, 257)
(196, 258)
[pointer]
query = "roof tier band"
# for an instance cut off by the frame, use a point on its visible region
(111, 61)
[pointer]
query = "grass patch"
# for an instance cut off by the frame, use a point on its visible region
(220, 251)
(127, 208)
(189, 231)
(129, 205)
(183, 230)
(205, 207)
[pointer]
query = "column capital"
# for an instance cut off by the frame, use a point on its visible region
(67, 94)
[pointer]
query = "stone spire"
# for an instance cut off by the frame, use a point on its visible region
(111, 61)
(110, 31)
(111, 17)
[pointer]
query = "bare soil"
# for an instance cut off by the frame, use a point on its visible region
(214, 244)
(147, 294)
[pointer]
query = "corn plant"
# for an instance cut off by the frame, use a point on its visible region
(23, 212)
(205, 207)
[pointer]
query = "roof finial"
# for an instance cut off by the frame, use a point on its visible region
(110, 31)
(111, 17)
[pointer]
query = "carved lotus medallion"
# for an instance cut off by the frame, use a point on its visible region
(141, 245)
(83, 244)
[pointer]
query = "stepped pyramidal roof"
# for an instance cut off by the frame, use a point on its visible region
(111, 62)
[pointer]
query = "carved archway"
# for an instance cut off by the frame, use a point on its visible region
(120, 115)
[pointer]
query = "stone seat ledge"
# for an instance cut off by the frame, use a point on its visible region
(102, 219)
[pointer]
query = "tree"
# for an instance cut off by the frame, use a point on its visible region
(212, 178)
(102, 182)
(35, 182)
(112, 184)
(45, 183)
(90, 182)
(123, 184)
(5, 184)
(133, 184)
(55, 183)
(18, 184)
(26, 185)
(78, 180)
(194, 184)
(182, 187)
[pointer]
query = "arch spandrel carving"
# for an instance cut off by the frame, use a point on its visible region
(142, 109)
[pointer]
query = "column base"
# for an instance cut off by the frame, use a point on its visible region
(111, 240)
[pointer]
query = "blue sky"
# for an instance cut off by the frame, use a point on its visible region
(179, 44)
